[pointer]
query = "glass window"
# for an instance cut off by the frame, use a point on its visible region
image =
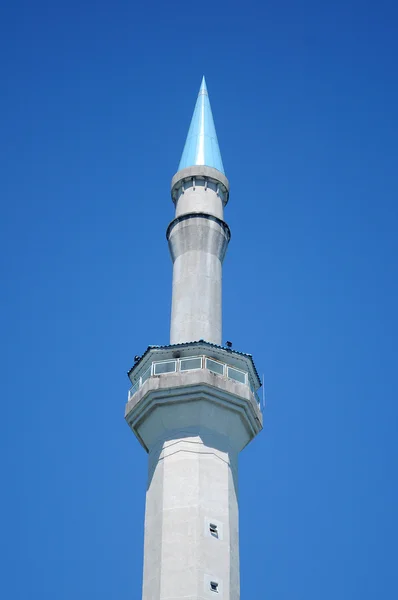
(165, 367)
(189, 364)
(133, 389)
(236, 374)
(214, 366)
(146, 375)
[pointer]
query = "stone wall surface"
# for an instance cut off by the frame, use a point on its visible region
(192, 483)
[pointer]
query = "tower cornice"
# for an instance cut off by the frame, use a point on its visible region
(201, 172)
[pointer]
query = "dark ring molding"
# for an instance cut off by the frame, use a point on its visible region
(219, 222)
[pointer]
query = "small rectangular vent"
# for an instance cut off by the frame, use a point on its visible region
(214, 586)
(213, 530)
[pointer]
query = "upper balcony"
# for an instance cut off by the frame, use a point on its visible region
(192, 363)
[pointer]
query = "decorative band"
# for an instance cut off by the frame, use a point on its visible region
(219, 222)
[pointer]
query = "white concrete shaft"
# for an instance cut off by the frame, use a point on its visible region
(196, 315)
(198, 242)
(191, 485)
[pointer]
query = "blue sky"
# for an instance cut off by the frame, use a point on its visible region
(95, 105)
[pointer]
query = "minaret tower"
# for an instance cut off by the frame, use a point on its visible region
(193, 404)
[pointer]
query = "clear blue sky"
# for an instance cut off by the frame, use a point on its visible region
(95, 106)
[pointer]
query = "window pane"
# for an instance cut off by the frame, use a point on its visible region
(146, 375)
(133, 389)
(165, 367)
(237, 375)
(214, 367)
(188, 364)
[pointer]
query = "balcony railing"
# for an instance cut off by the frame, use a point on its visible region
(193, 363)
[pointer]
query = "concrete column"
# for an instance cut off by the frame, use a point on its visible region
(198, 239)
(191, 520)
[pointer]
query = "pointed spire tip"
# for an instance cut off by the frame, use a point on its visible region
(201, 146)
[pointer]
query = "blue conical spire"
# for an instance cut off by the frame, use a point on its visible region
(201, 146)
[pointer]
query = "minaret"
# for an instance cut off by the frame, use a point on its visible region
(193, 404)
